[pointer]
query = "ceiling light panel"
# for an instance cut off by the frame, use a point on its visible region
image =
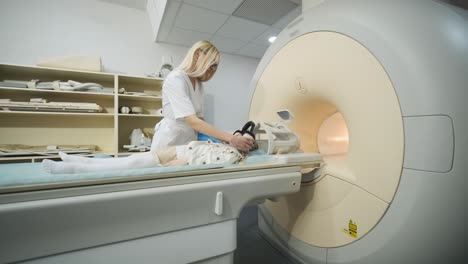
(285, 20)
(264, 11)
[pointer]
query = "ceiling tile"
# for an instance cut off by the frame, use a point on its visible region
(243, 29)
(227, 44)
(168, 20)
(252, 50)
(223, 6)
(263, 38)
(199, 19)
(186, 37)
(284, 21)
(138, 4)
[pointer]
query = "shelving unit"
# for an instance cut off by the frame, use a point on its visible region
(109, 130)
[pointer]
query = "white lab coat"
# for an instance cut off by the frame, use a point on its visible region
(179, 100)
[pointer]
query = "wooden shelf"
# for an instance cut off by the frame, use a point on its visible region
(108, 130)
(134, 84)
(140, 77)
(6, 112)
(139, 115)
(8, 90)
(139, 97)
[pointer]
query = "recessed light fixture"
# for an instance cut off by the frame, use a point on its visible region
(272, 39)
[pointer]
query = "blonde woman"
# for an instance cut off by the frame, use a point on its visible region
(182, 102)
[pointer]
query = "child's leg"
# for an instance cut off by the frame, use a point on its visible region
(85, 160)
(71, 158)
(74, 167)
(136, 161)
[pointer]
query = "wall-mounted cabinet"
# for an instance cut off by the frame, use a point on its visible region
(50, 125)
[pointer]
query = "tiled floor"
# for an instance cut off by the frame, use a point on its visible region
(252, 248)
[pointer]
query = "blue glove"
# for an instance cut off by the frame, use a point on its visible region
(203, 137)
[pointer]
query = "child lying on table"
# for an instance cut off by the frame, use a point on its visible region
(195, 153)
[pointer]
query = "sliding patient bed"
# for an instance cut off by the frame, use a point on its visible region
(159, 215)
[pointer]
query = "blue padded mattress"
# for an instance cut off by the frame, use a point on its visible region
(27, 174)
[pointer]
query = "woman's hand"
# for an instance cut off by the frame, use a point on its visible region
(244, 144)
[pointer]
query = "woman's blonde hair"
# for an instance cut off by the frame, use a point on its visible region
(195, 67)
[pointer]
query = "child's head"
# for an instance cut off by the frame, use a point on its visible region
(201, 61)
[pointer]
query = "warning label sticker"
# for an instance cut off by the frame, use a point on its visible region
(352, 229)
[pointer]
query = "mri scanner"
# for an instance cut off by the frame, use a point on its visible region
(378, 88)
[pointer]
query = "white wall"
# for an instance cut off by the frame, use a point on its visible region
(122, 36)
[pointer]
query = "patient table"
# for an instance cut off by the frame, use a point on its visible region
(159, 215)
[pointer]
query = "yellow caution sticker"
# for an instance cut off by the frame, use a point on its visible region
(352, 229)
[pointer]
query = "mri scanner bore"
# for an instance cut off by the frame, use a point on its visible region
(319, 119)
(382, 98)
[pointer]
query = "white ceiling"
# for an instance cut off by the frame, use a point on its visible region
(138, 4)
(186, 21)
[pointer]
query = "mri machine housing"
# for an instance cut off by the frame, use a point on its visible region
(396, 74)
(164, 217)
(391, 77)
